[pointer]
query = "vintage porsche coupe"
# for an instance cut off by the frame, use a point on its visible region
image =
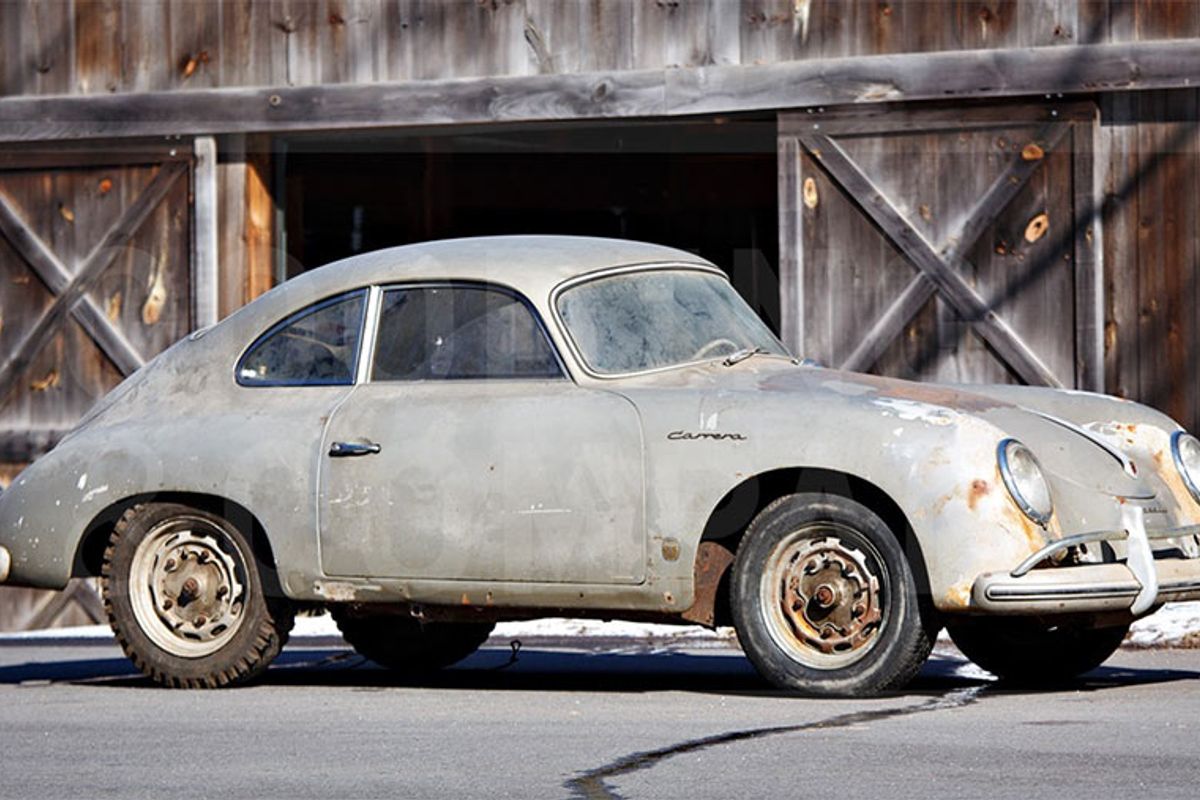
(433, 438)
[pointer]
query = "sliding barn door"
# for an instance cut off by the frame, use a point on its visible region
(944, 244)
(96, 251)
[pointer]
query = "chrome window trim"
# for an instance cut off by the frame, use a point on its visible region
(300, 313)
(608, 272)
(370, 332)
(563, 371)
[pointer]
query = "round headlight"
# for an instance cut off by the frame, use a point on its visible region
(1186, 450)
(1023, 477)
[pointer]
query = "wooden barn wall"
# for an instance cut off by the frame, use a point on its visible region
(101, 46)
(1151, 218)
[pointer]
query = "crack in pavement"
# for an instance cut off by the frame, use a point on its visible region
(593, 784)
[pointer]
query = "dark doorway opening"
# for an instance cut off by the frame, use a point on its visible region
(706, 186)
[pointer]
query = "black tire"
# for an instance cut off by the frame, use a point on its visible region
(877, 638)
(1032, 651)
(406, 645)
(245, 630)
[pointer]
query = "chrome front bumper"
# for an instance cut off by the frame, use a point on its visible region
(1137, 584)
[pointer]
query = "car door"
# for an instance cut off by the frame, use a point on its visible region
(468, 454)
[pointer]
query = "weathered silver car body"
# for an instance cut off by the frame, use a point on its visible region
(597, 494)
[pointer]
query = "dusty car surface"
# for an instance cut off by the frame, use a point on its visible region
(433, 438)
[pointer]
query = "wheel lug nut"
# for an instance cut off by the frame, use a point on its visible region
(221, 592)
(167, 604)
(199, 622)
(202, 557)
(170, 565)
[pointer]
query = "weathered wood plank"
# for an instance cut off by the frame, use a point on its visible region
(205, 268)
(791, 246)
(969, 305)
(100, 257)
(1089, 260)
(981, 217)
(57, 279)
(944, 75)
(714, 89)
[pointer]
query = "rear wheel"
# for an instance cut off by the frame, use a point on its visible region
(1032, 651)
(186, 600)
(407, 645)
(824, 601)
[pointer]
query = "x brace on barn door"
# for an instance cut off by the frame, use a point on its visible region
(71, 291)
(940, 269)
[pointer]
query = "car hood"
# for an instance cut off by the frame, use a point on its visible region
(1066, 444)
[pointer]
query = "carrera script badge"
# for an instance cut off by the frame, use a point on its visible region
(690, 436)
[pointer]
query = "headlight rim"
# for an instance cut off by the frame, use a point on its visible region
(1180, 467)
(1010, 482)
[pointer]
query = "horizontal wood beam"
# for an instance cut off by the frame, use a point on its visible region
(957, 74)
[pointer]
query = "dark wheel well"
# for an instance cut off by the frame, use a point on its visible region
(89, 556)
(728, 521)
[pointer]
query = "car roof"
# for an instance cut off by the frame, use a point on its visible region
(533, 264)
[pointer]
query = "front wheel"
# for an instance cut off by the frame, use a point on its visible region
(1032, 651)
(185, 598)
(824, 601)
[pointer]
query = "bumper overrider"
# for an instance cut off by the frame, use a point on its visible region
(1137, 585)
(5, 563)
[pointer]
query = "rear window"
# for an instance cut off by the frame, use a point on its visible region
(314, 347)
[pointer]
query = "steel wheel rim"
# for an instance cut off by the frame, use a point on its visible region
(188, 587)
(823, 596)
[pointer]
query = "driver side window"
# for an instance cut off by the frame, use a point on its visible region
(459, 333)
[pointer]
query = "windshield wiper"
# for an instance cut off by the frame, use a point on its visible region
(741, 355)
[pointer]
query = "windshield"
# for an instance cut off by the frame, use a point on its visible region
(652, 319)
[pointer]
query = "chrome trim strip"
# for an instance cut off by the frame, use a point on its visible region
(370, 330)
(1124, 460)
(1098, 536)
(1063, 544)
(1004, 593)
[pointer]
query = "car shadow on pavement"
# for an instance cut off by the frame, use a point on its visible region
(632, 668)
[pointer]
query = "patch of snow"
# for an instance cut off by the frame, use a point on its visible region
(1174, 625)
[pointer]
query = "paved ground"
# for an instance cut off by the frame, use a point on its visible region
(613, 721)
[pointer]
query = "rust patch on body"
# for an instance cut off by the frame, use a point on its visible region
(939, 396)
(979, 488)
(959, 595)
(712, 561)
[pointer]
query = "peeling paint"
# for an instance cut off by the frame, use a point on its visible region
(91, 495)
(913, 410)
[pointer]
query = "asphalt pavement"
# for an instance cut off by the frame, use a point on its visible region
(588, 719)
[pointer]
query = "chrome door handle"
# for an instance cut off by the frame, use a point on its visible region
(342, 449)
